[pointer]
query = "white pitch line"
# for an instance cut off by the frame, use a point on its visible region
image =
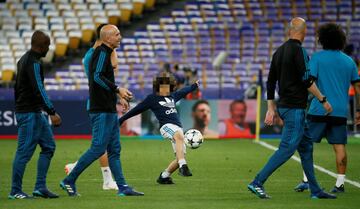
(297, 159)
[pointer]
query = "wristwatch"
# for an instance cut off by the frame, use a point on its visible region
(323, 100)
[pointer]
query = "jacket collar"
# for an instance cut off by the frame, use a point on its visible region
(295, 40)
(108, 49)
(35, 54)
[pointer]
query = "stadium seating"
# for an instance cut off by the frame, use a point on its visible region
(249, 31)
(68, 22)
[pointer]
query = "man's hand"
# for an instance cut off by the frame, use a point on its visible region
(328, 108)
(125, 93)
(125, 105)
(272, 117)
(55, 120)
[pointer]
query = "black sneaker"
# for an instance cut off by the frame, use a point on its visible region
(167, 180)
(323, 195)
(302, 186)
(185, 171)
(19, 195)
(340, 189)
(44, 193)
(70, 188)
(256, 188)
(128, 191)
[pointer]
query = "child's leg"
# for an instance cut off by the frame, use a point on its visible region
(105, 169)
(179, 147)
(176, 135)
(108, 181)
(180, 153)
(164, 177)
(103, 160)
(170, 169)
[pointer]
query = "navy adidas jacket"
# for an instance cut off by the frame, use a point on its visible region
(162, 106)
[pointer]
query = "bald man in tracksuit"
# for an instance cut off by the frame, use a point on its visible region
(103, 116)
(33, 126)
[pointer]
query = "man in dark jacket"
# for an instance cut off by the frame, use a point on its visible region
(33, 126)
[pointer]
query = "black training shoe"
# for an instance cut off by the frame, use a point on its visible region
(128, 191)
(258, 190)
(323, 195)
(302, 186)
(44, 193)
(340, 189)
(19, 195)
(167, 180)
(70, 188)
(185, 171)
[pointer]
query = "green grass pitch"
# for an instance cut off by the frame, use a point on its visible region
(221, 169)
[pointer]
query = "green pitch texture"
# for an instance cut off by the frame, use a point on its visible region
(221, 172)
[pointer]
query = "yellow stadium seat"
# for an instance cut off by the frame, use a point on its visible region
(74, 42)
(149, 4)
(237, 80)
(126, 10)
(138, 7)
(77, 85)
(61, 47)
(113, 16)
(141, 81)
(7, 75)
(204, 80)
(87, 29)
(87, 35)
(114, 20)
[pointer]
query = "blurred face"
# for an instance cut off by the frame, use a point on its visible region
(238, 113)
(164, 90)
(45, 47)
(188, 74)
(202, 115)
(115, 38)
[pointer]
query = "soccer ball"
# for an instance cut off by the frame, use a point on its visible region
(193, 138)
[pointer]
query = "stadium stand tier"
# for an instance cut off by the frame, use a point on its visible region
(249, 31)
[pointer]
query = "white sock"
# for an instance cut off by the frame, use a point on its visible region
(340, 180)
(305, 178)
(165, 174)
(181, 162)
(106, 172)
